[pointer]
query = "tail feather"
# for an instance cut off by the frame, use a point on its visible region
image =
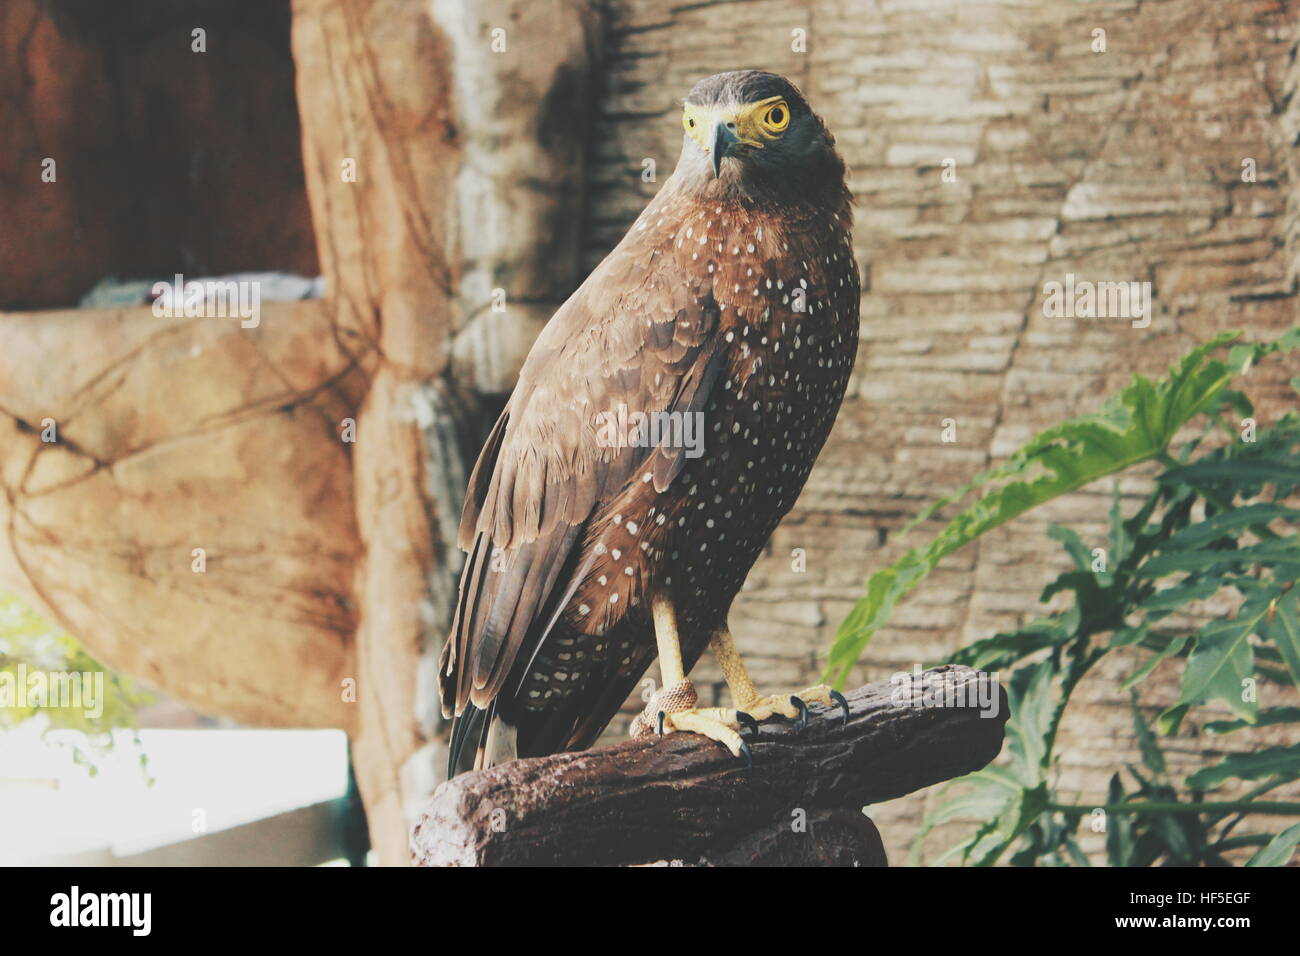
(496, 741)
(466, 727)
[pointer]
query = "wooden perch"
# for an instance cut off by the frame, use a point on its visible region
(685, 797)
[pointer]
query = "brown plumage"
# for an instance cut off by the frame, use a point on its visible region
(733, 299)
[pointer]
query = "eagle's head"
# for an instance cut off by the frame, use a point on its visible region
(754, 132)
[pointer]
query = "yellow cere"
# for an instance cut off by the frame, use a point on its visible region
(756, 124)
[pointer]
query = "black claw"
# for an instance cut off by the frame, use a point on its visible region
(840, 699)
(801, 721)
(661, 723)
(748, 754)
(747, 722)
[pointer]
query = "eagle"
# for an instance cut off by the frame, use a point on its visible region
(664, 421)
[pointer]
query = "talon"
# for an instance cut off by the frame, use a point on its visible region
(747, 754)
(747, 722)
(801, 721)
(843, 702)
(661, 723)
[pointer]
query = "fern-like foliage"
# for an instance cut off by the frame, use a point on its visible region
(1136, 426)
(1220, 523)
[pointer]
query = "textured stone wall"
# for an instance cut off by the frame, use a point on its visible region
(1122, 165)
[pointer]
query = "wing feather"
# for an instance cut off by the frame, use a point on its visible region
(480, 480)
(633, 335)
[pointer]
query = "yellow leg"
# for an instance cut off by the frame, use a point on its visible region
(676, 698)
(746, 697)
(670, 648)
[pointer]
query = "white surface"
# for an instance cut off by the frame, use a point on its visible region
(51, 808)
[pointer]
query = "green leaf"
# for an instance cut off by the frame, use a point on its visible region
(1279, 850)
(1171, 719)
(1129, 635)
(1229, 523)
(1167, 600)
(1152, 756)
(986, 799)
(1121, 544)
(1172, 649)
(1001, 651)
(1240, 358)
(1266, 718)
(1247, 472)
(1248, 766)
(1223, 660)
(1031, 699)
(1075, 547)
(1284, 552)
(1284, 630)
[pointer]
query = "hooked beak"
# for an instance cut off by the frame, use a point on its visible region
(724, 138)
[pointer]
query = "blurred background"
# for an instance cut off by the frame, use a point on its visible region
(253, 528)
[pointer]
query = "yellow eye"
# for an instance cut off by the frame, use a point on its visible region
(776, 117)
(688, 122)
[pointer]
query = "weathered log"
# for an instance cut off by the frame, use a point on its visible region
(685, 797)
(823, 838)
